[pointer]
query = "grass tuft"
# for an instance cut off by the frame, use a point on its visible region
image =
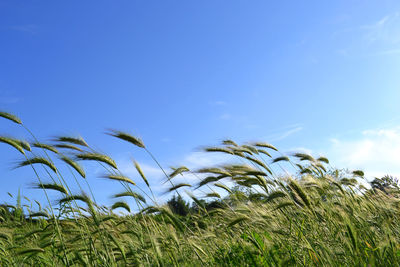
(248, 213)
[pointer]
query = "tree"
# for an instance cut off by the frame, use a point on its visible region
(178, 205)
(387, 184)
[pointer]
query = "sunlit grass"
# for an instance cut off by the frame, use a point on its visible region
(262, 209)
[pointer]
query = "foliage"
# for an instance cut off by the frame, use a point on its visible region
(387, 184)
(178, 205)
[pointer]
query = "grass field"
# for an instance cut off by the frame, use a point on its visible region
(262, 209)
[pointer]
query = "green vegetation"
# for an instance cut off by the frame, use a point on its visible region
(260, 209)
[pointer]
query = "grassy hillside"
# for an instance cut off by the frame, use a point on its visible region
(262, 208)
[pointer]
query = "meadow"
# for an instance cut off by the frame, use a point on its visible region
(261, 208)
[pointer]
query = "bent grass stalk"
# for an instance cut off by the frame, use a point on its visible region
(307, 219)
(61, 180)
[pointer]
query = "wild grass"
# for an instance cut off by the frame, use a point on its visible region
(262, 208)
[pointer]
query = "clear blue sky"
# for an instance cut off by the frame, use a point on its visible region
(316, 75)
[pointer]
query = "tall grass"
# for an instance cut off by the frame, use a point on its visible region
(249, 212)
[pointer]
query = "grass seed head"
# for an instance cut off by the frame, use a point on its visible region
(10, 117)
(73, 140)
(265, 145)
(74, 165)
(173, 188)
(121, 204)
(52, 186)
(127, 137)
(37, 160)
(69, 146)
(131, 194)
(97, 157)
(177, 171)
(45, 146)
(281, 158)
(13, 143)
(139, 170)
(120, 178)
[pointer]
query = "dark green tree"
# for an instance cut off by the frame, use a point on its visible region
(387, 184)
(178, 205)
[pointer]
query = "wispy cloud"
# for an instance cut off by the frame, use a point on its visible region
(8, 97)
(389, 52)
(218, 103)
(375, 151)
(154, 173)
(197, 160)
(225, 116)
(28, 28)
(289, 133)
(385, 31)
(377, 38)
(165, 140)
(221, 105)
(283, 133)
(8, 100)
(298, 149)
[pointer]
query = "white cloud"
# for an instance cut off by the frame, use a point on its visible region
(376, 151)
(299, 149)
(283, 133)
(152, 173)
(377, 38)
(390, 52)
(384, 30)
(157, 179)
(8, 100)
(219, 103)
(165, 140)
(290, 132)
(29, 28)
(8, 97)
(225, 116)
(197, 160)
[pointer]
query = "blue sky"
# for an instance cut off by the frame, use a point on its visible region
(311, 75)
